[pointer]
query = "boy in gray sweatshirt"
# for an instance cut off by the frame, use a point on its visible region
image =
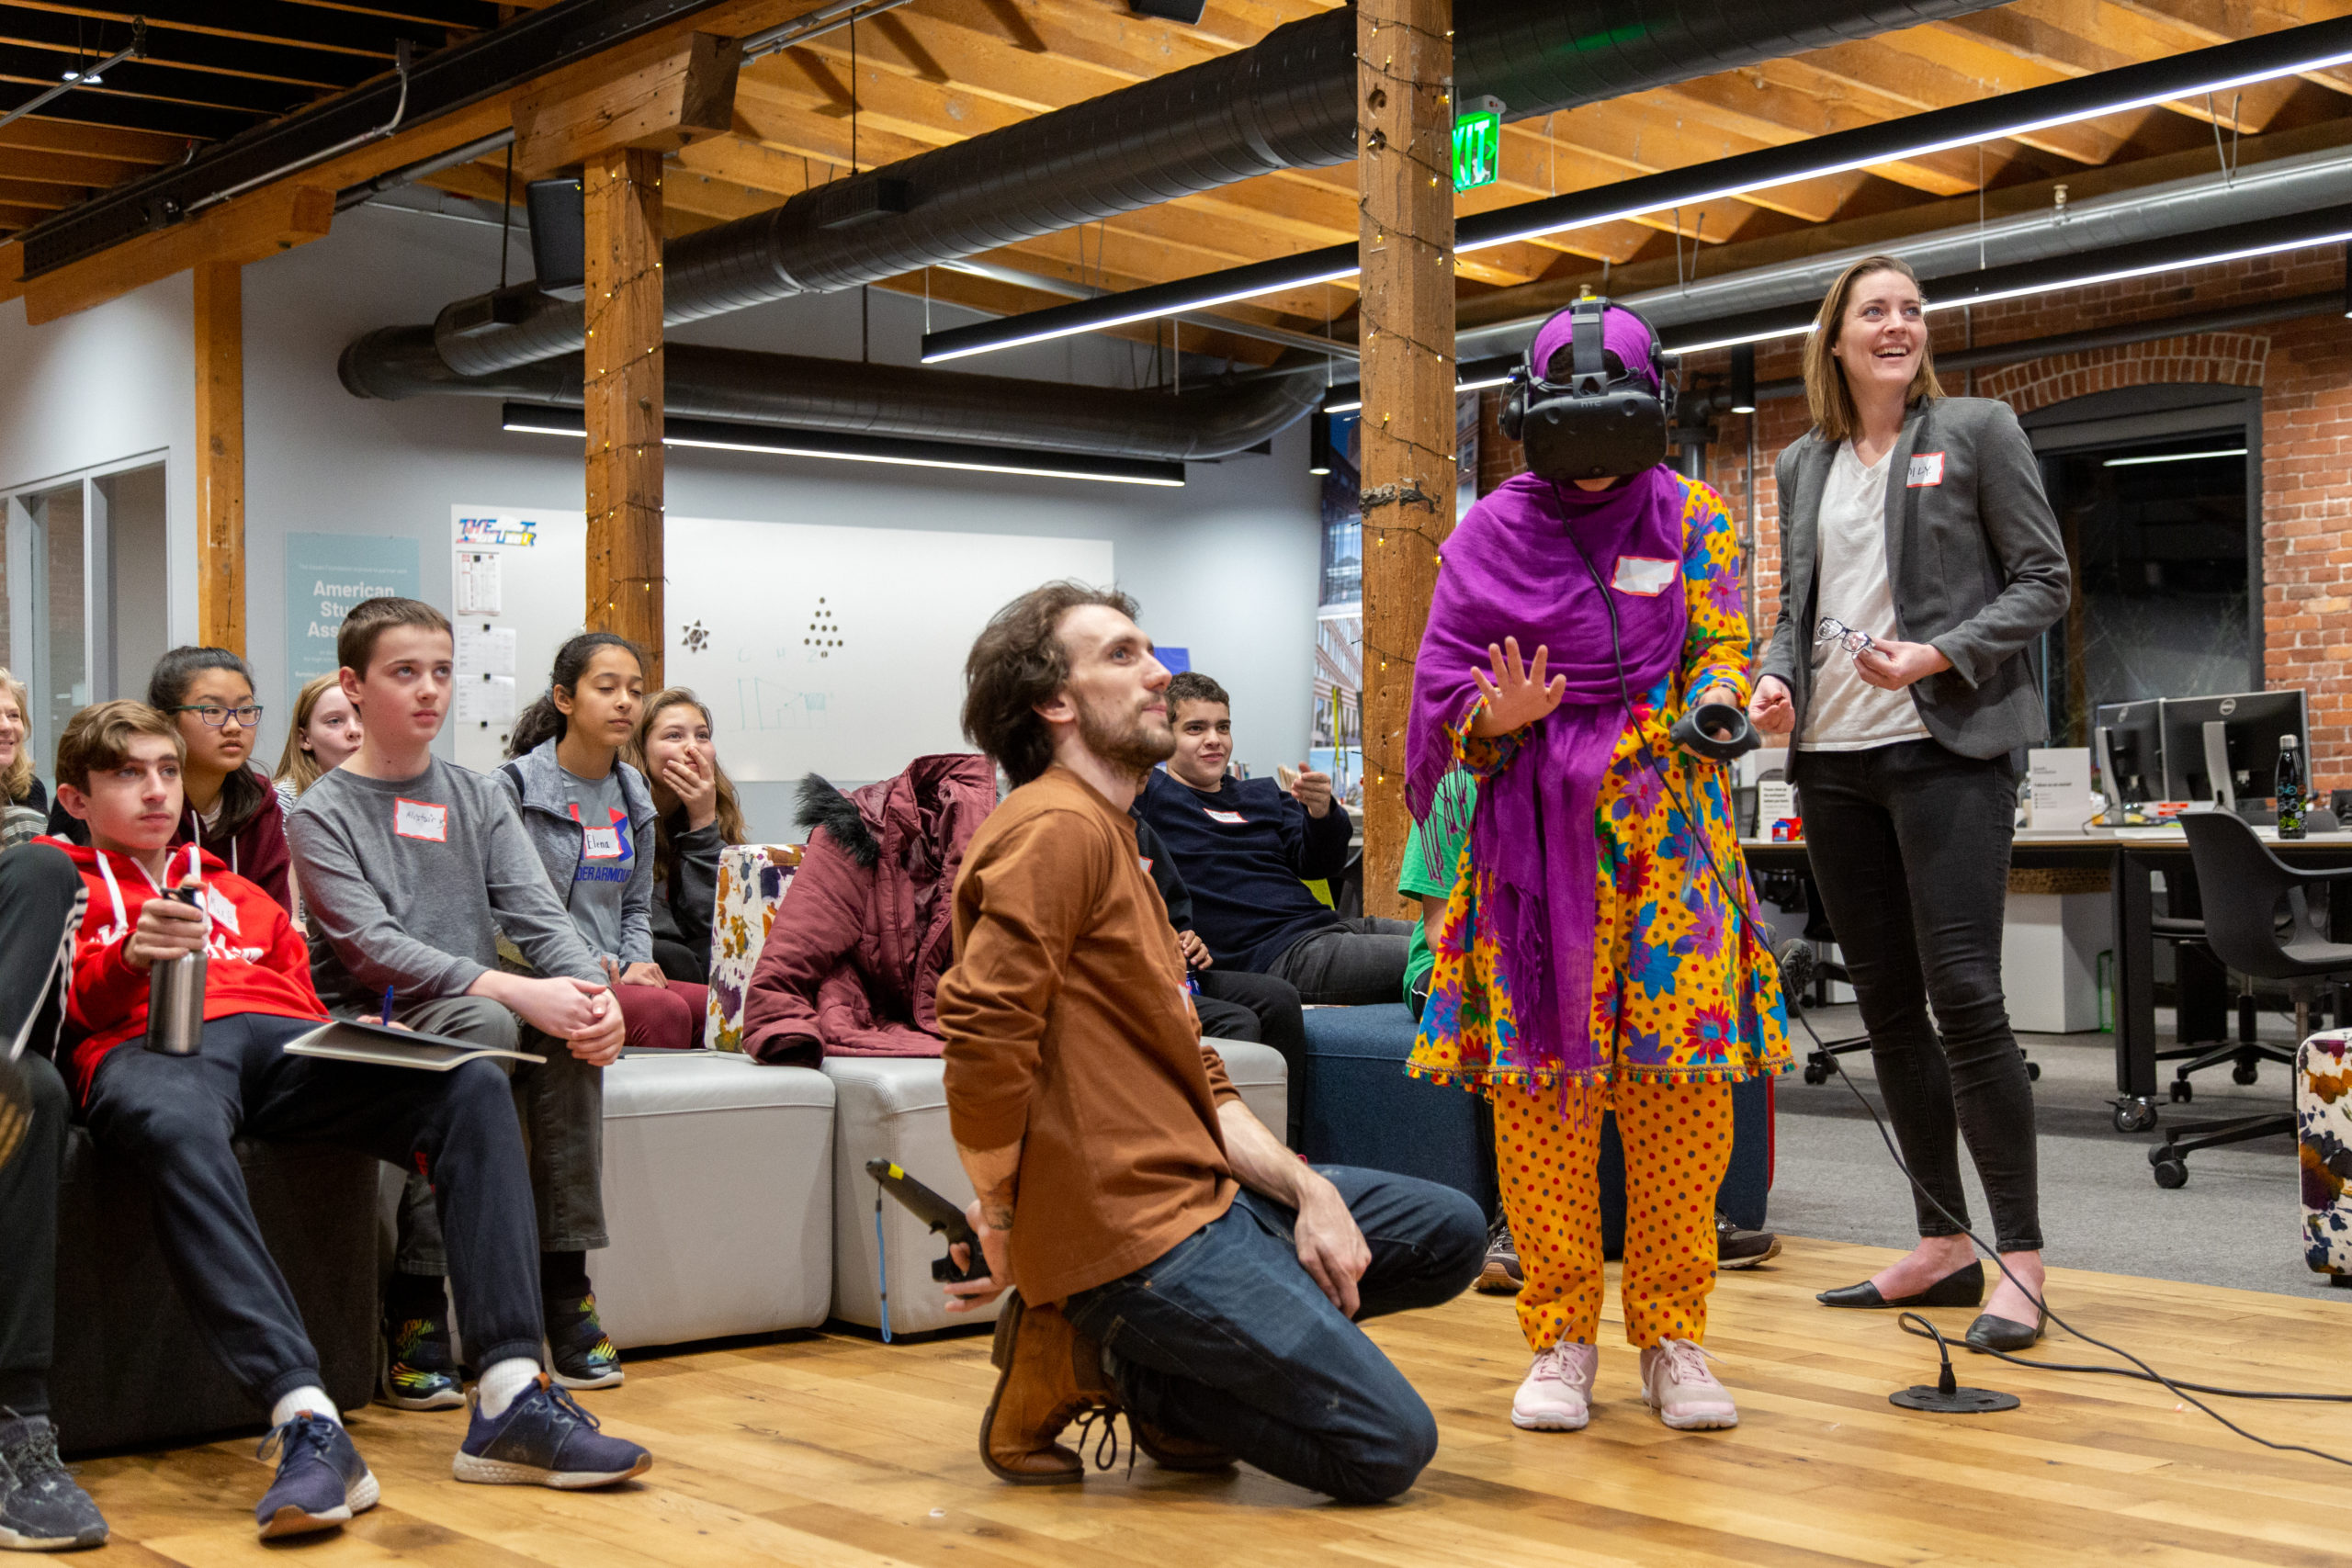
(410, 868)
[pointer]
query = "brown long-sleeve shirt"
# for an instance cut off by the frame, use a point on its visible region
(1070, 1029)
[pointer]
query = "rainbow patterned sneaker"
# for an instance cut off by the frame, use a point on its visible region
(419, 1371)
(579, 1355)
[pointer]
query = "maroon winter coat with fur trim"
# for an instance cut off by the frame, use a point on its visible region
(852, 963)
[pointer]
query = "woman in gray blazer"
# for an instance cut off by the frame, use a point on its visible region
(1919, 560)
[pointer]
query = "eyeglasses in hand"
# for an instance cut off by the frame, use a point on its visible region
(1837, 631)
(215, 717)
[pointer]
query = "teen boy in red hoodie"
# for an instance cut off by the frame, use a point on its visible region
(117, 770)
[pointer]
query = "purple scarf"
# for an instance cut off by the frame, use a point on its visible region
(1513, 568)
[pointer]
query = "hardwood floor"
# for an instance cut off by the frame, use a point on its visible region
(835, 1452)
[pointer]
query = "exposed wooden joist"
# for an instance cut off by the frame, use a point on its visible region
(276, 218)
(220, 454)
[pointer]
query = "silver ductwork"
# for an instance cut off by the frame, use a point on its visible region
(2280, 188)
(1288, 102)
(1217, 421)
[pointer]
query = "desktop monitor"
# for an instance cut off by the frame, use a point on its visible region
(2127, 742)
(2235, 736)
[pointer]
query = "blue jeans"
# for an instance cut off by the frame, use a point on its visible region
(1225, 1340)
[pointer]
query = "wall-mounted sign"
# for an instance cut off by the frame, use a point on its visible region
(1477, 149)
(326, 574)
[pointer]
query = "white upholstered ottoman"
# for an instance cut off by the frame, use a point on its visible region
(719, 1193)
(895, 1108)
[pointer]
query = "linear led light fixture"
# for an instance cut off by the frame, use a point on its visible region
(1475, 376)
(724, 435)
(2172, 457)
(2288, 52)
(2239, 242)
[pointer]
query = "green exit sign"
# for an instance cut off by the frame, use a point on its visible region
(1477, 149)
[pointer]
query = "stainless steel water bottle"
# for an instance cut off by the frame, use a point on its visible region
(175, 997)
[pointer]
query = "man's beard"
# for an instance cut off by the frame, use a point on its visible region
(1134, 747)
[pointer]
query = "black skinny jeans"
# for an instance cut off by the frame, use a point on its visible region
(1910, 848)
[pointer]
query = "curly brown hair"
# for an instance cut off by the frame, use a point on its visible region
(1017, 662)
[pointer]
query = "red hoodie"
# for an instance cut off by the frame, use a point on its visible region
(255, 961)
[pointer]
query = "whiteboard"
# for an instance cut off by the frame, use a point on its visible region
(817, 648)
(841, 651)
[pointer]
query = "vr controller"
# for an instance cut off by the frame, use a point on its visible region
(1697, 732)
(941, 1216)
(1600, 419)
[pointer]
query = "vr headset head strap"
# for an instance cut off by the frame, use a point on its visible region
(1587, 359)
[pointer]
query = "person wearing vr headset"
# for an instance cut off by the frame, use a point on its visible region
(1599, 949)
(1919, 561)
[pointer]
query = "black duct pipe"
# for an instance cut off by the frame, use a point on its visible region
(1288, 102)
(877, 399)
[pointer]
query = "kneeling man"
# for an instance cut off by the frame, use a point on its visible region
(1172, 1258)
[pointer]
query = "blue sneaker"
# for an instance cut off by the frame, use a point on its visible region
(322, 1481)
(544, 1439)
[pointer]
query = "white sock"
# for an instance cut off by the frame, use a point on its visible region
(309, 1397)
(503, 1382)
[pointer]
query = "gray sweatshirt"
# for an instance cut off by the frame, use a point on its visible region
(542, 793)
(408, 882)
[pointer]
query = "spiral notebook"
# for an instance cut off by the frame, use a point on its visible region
(342, 1040)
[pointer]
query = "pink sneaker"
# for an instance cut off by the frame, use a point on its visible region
(1677, 1384)
(1557, 1394)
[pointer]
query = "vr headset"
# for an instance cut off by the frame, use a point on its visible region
(1586, 415)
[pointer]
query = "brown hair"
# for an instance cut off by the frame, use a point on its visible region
(98, 738)
(543, 721)
(1826, 391)
(729, 823)
(298, 767)
(1017, 662)
(355, 640)
(1192, 686)
(17, 782)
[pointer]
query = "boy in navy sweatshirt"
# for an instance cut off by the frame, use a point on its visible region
(1246, 850)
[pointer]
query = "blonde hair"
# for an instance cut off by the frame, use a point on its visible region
(729, 810)
(298, 767)
(1832, 402)
(17, 779)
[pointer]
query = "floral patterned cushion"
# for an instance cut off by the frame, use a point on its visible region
(752, 879)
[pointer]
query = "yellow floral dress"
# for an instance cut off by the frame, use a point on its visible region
(1683, 990)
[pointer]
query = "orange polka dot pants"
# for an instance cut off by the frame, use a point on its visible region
(1547, 1152)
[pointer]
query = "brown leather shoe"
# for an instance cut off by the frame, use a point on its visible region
(1047, 1374)
(1172, 1452)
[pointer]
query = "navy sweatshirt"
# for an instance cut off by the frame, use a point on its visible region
(1243, 854)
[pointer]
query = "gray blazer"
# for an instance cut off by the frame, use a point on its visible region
(1974, 558)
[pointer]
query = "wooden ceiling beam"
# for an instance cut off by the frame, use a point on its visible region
(118, 147)
(2221, 21)
(654, 98)
(58, 169)
(2077, 38)
(234, 232)
(30, 192)
(1886, 83)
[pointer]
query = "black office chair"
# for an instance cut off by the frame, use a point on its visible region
(2202, 1008)
(2259, 922)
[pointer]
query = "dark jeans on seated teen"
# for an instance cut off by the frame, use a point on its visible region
(1910, 847)
(1235, 1004)
(1355, 963)
(1225, 1340)
(40, 905)
(174, 1116)
(562, 1107)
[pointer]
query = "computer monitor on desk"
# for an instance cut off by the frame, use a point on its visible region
(2225, 749)
(2127, 742)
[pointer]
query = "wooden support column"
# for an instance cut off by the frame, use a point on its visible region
(1405, 183)
(623, 388)
(220, 454)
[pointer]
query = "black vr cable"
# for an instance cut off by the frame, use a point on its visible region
(2144, 1372)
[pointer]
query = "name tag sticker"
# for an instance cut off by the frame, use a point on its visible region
(223, 913)
(604, 843)
(1645, 576)
(1145, 861)
(418, 820)
(1926, 469)
(1230, 818)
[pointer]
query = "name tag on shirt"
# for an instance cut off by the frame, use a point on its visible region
(417, 820)
(1645, 576)
(1926, 469)
(223, 913)
(602, 844)
(1230, 818)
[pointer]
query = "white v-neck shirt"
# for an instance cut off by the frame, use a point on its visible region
(1847, 713)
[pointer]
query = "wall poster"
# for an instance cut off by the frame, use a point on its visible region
(326, 574)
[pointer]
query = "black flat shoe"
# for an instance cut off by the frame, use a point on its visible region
(1963, 1287)
(1990, 1333)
